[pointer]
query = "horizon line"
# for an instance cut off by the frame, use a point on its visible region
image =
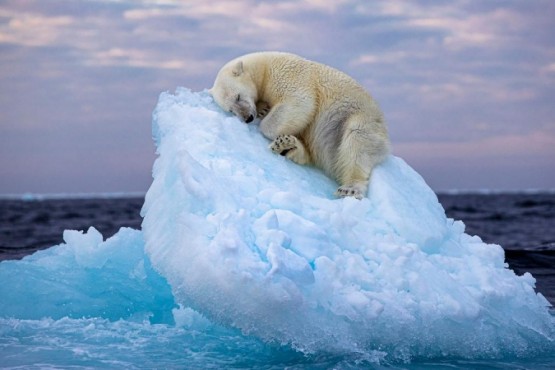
(31, 196)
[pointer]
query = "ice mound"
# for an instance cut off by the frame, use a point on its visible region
(254, 241)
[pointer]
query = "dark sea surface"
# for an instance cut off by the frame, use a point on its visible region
(38, 223)
(522, 223)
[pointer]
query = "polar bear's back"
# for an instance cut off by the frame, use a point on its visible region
(326, 88)
(294, 73)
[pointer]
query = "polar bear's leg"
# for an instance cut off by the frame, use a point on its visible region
(285, 119)
(271, 125)
(359, 152)
(292, 148)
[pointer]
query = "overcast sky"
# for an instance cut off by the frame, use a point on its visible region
(467, 87)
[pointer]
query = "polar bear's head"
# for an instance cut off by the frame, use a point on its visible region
(235, 91)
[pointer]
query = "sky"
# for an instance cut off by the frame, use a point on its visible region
(467, 87)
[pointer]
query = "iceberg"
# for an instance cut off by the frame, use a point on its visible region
(256, 242)
(247, 259)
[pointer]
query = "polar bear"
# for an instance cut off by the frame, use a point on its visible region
(314, 114)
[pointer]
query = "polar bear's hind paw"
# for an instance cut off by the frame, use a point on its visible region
(349, 191)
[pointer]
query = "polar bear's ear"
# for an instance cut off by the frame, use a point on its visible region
(238, 69)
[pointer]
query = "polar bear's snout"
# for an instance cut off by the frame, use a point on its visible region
(244, 111)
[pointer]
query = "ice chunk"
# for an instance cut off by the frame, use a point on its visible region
(87, 277)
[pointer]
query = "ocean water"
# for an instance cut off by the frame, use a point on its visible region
(521, 223)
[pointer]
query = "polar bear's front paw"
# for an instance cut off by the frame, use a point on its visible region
(349, 191)
(262, 109)
(283, 144)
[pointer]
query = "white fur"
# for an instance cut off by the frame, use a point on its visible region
(313, 114)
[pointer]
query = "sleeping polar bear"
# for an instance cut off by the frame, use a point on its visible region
(313, 114)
